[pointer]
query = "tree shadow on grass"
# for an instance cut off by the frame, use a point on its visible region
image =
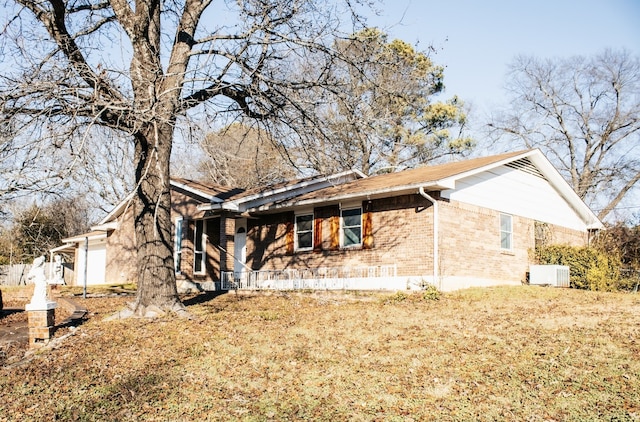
(203, 297)
(6, 312)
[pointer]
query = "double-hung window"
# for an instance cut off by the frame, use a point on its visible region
(506, 232)
(351, 227)
(304, 232)
(177, 246)
(198, 247)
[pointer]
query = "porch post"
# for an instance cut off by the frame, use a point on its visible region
(227, 231)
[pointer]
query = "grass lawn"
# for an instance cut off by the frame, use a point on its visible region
(513, 353)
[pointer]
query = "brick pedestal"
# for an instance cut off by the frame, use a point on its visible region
(41, 325)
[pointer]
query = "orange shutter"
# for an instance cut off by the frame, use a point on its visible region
(367, 229)
(290, 234)
(317, 232)
(334, 224)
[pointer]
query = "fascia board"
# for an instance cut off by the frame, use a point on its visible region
(298, 186)
(117, 211)
(221, 206)
(565, 190)
(66, 247)
(81, 238)
(373, 193)
(112, 225)
(196, 191)
(259, 199)
(553, 176)
(452, 179)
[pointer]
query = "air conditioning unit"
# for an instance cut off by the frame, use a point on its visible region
(549, 275)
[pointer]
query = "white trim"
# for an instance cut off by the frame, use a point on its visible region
(358, 245)
(303, 184)
(296, 246)
(262, 200)
(177, 243)
(117, 211)
(547, 169)
(195, 191)
(510, 248)
(69, 247)
(82, 237)
(112, 225)
(203, 245)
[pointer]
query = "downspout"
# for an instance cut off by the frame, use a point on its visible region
(436, 258)
(86, 265)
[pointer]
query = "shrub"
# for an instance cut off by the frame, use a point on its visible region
(430, 292)
(395, 298)
(590, 268)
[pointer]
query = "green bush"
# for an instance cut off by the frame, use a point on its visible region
(590, 268)
(430, 292)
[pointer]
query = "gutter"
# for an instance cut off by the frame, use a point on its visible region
(436, 258)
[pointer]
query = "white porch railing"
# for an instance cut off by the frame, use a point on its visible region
(323, 278)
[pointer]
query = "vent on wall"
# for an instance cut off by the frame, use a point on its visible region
(524, 164)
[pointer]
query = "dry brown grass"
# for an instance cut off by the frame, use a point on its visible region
(520, 353)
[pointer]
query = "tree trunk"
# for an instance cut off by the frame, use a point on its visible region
(157, 292)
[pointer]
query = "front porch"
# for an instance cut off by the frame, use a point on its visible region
(382, 277)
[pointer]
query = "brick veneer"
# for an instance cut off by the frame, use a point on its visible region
(401, 229)
(469, 241)
(41, 326)
(401, 232)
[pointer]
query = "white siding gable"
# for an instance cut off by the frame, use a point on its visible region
(516, 192)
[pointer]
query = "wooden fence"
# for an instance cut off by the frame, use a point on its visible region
(16, 274)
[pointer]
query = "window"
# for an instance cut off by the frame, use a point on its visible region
(177, 246)
(304, 232)
(198, 247)
(506, 232)
(351, 227)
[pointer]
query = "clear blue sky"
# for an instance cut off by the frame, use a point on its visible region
(477, 39)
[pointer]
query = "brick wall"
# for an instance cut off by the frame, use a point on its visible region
(401, 231)
(212, 262)
(469, 241)
(122, 252)
(121, 246)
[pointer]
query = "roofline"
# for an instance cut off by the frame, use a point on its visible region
(61, 248)
(88, 236)
(566, 191)
(296, 185)
(111, 225)
(450, 180)
(414, 187)
(234, 205)
(550, 172)
(196, 191)
(433, 185)
(118, 209)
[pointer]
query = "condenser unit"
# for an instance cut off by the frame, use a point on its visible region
(549, 275)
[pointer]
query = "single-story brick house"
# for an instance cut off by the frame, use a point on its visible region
(455, 225)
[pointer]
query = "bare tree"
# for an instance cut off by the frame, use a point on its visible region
(136, 68)
(35, 229)
(244, 157)
(384, 114)
(585, 114)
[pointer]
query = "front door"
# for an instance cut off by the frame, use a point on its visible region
(240, 246)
